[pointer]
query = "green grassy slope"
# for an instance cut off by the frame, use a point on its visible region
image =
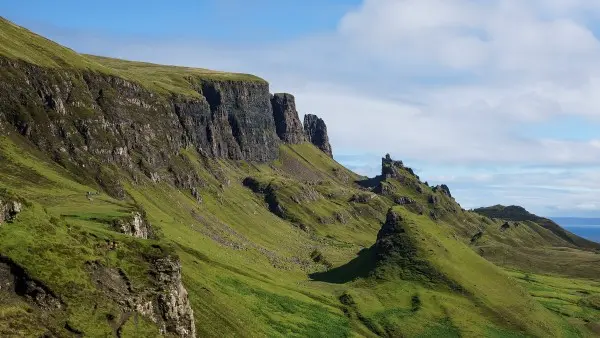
(247, 270)
(516, 213)
(282, 249)
(18, 43)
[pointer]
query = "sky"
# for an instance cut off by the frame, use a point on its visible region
(496, 98)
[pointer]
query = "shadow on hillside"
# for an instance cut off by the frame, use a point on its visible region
(370, 182)
(359, 267)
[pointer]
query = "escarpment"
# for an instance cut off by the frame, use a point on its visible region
(86, 119)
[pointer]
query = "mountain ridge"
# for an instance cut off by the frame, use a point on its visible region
(517, 213)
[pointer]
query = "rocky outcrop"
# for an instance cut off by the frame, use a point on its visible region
(443, 189)
(287, 123)
(390, 168)
(9, 210)
(165, 303)
(136, 225)
(362, 197)
(173, 303)
(403, 200)
(398, 249)
(316, 133)
(433, 199)
(14, 279)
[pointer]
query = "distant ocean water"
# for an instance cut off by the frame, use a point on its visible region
(591, 232)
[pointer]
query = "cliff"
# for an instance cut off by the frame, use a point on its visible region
(316, 132)
(287, 122)
(78, 115)
(92, 114)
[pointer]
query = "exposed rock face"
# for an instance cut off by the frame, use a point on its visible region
(362, 198)
(443, 189)
(135, 225)
(392, 225)
(316, 133)
(196, 195)
(166, 303)
(173, 300)
(15, 279)
(287, 123)
(9, 210)
(433, 199)
(402, 200)
(391, 168)
(89, 119)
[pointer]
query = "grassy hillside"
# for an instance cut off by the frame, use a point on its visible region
(18, 43)
(296, 247)
(516, 213)
(250, 272)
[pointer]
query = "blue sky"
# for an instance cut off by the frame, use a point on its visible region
(498, 99)
(224, 20)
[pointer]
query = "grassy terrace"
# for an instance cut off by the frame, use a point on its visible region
(18, 43)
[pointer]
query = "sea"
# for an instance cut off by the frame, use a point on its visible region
(588, 228)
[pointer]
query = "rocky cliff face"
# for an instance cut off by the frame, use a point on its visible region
(316, 132)
(234, 120)
(87, 119)
(287, 123)
(173, 303)
(9, 209)
(135, 225)
(165, 302)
